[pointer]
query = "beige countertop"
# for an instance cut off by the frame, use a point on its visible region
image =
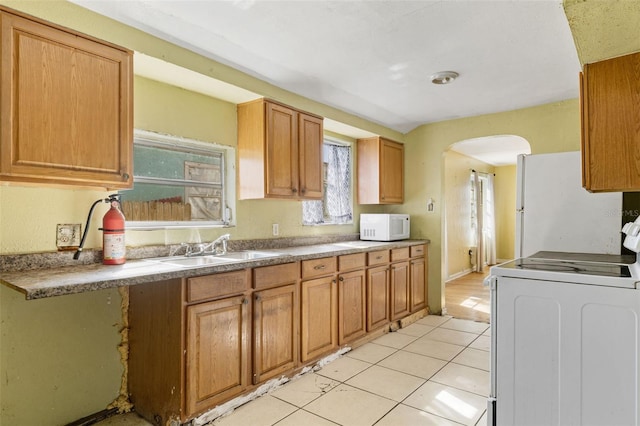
(42, 283)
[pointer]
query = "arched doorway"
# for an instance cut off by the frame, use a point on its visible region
(479, 218)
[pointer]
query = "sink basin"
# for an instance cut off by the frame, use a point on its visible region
(188, 262)
(210, 260)
(249, 255)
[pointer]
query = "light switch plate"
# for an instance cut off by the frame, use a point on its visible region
(68, 236)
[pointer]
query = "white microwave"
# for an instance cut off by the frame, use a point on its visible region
(384, 226)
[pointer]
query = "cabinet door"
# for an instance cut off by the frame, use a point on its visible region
(400, 290)
(217, 352)
(310, 142)
(391, 172)
(66, 107)
(418, 275)
(352, 312)
(319, 316)
(610, 103)
(377, 297)
(380, 171)
(282, 150)
(275, 332)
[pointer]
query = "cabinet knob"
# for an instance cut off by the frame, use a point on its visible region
(294, 190)
(245, 301)
(319, 267)
(125, 176)
(341, 278)
(257, 297)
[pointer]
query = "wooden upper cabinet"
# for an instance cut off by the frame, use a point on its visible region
(66, 107)
(610, 107)
(280, 152)
(310, 140)
(380, 171)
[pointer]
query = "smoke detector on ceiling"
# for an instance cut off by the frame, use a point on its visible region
(444, 77)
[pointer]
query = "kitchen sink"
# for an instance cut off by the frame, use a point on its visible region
(248, 255)
(188, 262)
(212, 260)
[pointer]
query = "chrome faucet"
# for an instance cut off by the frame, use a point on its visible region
(217, 247)
(220, 241)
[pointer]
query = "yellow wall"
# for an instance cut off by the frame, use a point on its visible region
(548, 128)
(505, 190)
(58, 357)
(457, 196)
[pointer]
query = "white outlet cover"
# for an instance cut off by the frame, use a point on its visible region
(68, 235)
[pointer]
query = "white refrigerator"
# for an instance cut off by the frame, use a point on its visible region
(554, 212)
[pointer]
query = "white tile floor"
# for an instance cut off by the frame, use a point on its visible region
(433, 372)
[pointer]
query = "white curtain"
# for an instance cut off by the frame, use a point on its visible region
(336, 205)
(484, 222)
(489, 222)
(477, 215)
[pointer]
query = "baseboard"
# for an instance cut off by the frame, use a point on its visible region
(459, 275)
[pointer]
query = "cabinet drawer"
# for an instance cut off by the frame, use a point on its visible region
(318, 267)
(351, 261)
(377, 257)
(276, 275)
(418, 250)
(217, 285)
(399, 254)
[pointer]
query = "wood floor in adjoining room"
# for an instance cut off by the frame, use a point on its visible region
(467, 298)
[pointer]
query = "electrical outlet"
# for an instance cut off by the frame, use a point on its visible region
(276, 229)
(68, 236)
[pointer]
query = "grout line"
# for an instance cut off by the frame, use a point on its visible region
(395, 351)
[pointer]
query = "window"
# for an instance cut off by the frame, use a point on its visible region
(336, 207)
(177, 183)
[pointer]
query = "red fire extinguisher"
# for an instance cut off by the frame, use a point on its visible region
(113, 242)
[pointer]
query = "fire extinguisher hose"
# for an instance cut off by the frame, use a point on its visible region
(76, 256)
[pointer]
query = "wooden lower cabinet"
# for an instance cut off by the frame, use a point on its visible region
(418, 273)
(197, 342)
(418, 277)
(217, 349)
(377, 297)
(275, 331)
(352, 306)
(400, 290)
(319, 315)
(189, 344)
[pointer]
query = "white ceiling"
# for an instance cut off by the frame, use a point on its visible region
(374, 59)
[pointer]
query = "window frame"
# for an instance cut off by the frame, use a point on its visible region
(182, 144)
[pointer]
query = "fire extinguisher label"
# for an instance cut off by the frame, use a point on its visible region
(114, 246)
